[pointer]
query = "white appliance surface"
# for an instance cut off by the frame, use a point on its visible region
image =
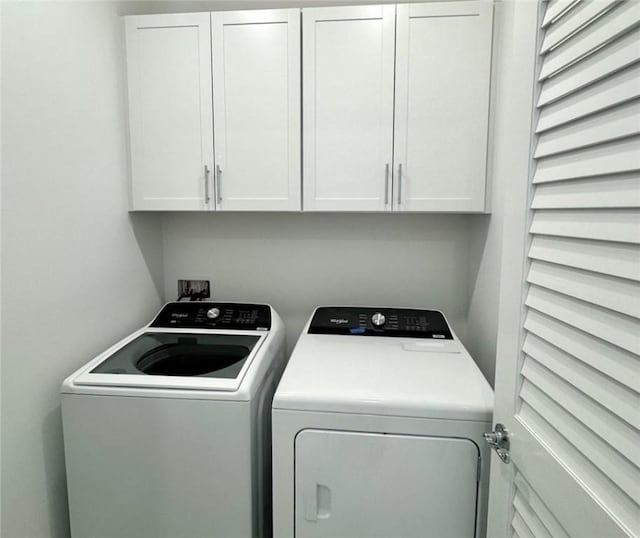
(84, 378)
(159, 467)
(382, 486)
(377, 429)
(388, 376)
(167, 433)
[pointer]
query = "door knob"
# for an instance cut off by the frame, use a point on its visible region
(498, 439)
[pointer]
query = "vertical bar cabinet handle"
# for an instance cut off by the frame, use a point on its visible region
(219, 182)
(207, 197)
(386, 184)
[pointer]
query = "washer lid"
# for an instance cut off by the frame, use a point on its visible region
(384, 376)
(179, 359)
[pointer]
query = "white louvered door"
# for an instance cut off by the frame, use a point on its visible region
(568, 371)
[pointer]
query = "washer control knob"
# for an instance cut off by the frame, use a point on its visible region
(213, 313)
(378, 319)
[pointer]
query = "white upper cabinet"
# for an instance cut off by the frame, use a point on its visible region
(394, 112)
(251, 59)
(348, 58)
(256, 102)
(432, 155)
(170, 119)
(443, 65)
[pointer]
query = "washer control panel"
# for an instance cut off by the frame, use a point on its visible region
(365, 321)
(207, 315)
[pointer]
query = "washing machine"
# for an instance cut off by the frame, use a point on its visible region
(377, 429)
(167, 433)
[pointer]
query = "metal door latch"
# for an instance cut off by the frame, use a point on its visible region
(499, 441)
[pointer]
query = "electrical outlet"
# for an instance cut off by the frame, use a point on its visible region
(194, 290)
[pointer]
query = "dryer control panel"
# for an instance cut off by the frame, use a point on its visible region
(373, 321)
(209, 315)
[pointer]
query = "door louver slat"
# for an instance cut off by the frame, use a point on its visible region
(612, 124)
(608, 359)
(598, 192)
(555, 9)
(613, 293)
(603, 63)
(617, 399)
(531, 520)
(584, 14)
(615, 259)
(614, 328)
(520, 527)
(591, 477)
(613, 158)
(618, 433)
(608, 92)
(610, 462)
(620, 20)
(541, 510)
(619, 225)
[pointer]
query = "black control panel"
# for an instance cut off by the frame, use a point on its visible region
(209, 315)
(358, 321)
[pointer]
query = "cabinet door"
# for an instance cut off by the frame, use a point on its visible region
(170, 116)
(347, 100)
(443, 64)
(256, 97)
(367, 485)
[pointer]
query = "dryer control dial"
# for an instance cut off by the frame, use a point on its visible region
(378, 319)
(213, 313)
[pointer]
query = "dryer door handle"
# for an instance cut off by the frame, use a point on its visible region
(316, 499)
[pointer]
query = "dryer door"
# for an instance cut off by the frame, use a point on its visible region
(359, 485)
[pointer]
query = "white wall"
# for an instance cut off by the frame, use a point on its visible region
(77, 271)
(1, 146)
(486, 234)
(510, 139)
(299, 261)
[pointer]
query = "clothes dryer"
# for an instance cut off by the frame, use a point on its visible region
(377, 429)
(167, 433)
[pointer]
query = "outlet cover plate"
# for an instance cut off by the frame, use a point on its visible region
(194, 290)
